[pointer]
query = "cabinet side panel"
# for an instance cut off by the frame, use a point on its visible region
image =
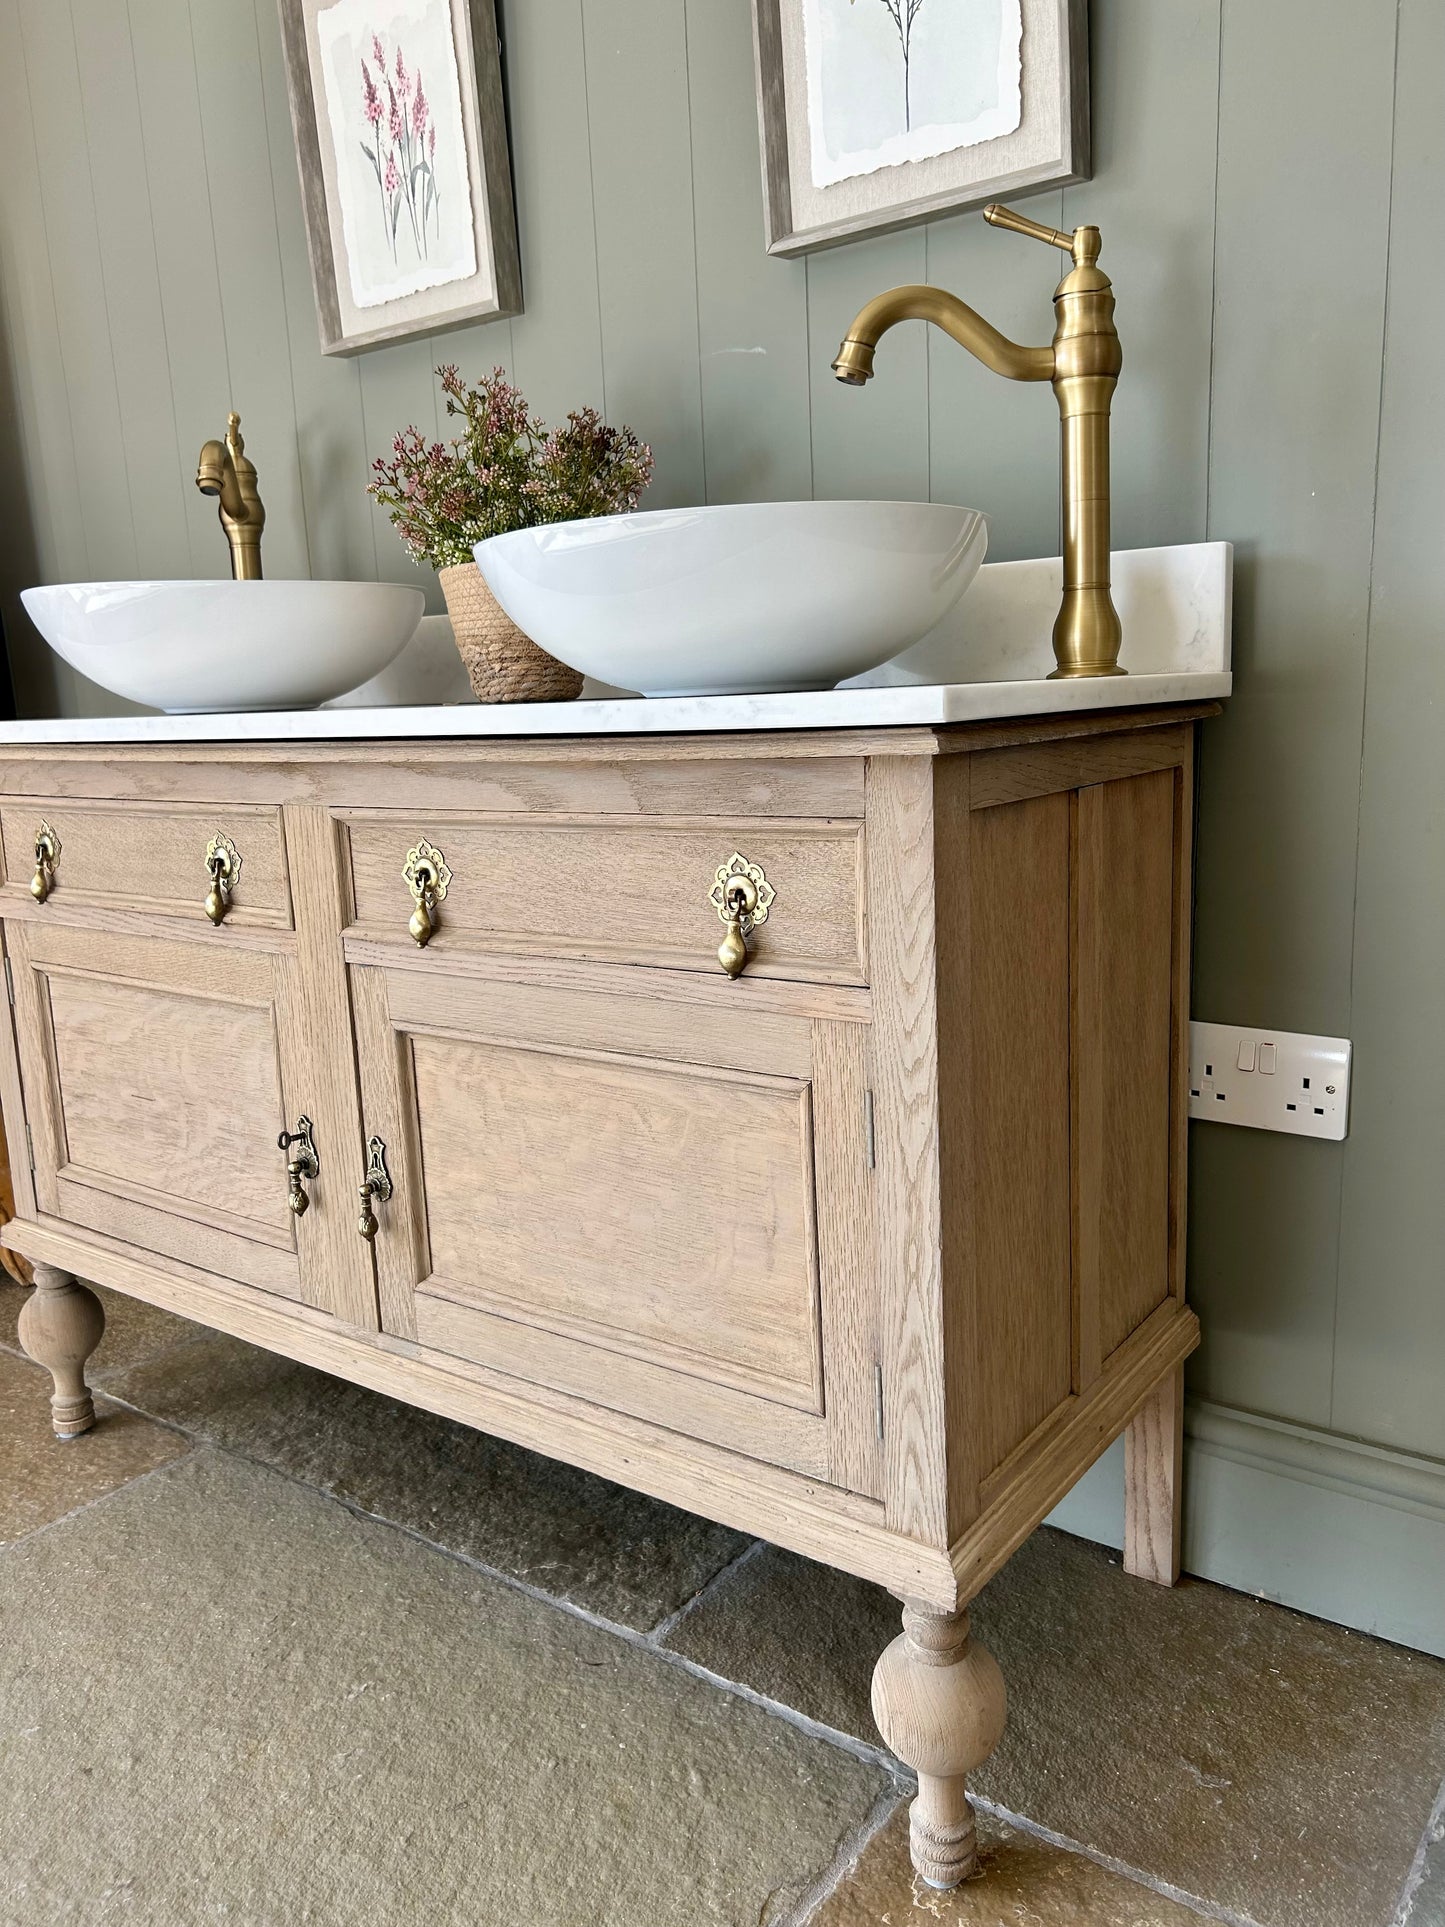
(1019, 887)
(1127, 903)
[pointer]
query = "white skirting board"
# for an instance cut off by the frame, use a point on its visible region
(1348, 1532)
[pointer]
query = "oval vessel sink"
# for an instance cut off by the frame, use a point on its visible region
(189, 647)
(754, 596)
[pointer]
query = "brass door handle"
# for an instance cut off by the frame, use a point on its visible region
(302, 1164)
(223, 866)
(427, 877)
(376, 1185)
(742, 897)
(47, 855)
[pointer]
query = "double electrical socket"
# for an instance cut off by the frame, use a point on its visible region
(1272, 1080)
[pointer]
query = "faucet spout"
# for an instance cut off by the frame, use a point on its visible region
(1083, 363)
(224, 470)
(966, 326)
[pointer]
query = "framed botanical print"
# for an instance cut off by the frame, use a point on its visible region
(875, 114)
(401, 140)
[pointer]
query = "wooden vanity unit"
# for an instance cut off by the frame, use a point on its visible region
(870, 1250)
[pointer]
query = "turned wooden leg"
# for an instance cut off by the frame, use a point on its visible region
(938, 1698)
(1153, 1459)
(60, 1326)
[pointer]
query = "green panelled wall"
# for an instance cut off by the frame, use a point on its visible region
(1269, 178)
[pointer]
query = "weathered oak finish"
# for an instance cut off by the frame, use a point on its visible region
(873, 1250)
(938, 1698)
(61, 1323)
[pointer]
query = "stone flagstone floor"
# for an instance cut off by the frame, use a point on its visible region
(278, 1651)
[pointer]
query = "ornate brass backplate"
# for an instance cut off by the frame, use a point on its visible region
(427, 877)
(742, 897)
(223, 866)
(47, 855)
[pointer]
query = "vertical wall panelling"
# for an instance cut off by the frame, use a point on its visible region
(248, 260)
(1295, 414)
(87, 355)
(637, 96)
(557, 339)
(184, 241)
(1156, 106)
(398, 388)
(752, 310)
(40, 489)
(132, 316)
(994, 444)
(327, 388)
(1390, 1343)
(869, 442)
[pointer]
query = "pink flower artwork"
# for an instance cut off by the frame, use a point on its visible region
(403, 156)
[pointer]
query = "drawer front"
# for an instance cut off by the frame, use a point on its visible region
(148, 857)
(621, 891)
(629, 1201)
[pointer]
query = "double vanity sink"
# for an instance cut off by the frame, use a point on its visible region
(750, 597)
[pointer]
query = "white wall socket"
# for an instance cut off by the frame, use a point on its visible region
(1272, 1080)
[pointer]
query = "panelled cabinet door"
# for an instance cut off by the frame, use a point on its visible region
(658, 1206)
(158, 1074)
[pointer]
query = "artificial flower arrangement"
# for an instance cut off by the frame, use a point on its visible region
(506, 470)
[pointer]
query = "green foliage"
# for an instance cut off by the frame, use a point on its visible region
(505, 470)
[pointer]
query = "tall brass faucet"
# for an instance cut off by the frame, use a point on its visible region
(225, 469)
(1083, 364)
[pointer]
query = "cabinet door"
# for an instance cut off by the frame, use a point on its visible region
(661, 1206)
(158, 1074)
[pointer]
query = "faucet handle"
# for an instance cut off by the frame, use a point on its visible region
(1082, 244)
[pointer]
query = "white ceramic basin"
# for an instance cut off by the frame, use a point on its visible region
(750, 597)
(189, 647)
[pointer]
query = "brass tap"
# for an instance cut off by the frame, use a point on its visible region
(226, 470)
(1083, 363)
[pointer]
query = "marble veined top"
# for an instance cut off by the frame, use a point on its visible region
(988, 662)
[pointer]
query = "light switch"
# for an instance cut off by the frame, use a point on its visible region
(1246, 1054)
(1268, 1056)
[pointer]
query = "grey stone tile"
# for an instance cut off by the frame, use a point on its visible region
(133, 1330)
(628, 1558)
(1427, 1904)
(42, 1479)
(1021, 1882)
(1264, 1762)
(226, 1698)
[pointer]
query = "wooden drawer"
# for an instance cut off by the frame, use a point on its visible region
(148, 857)
(619, 891)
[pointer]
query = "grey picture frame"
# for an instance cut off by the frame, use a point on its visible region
(799, 218)
(449, 306)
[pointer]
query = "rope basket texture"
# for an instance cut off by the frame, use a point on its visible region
(503, 664)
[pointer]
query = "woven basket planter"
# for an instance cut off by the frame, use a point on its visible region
(503, 664)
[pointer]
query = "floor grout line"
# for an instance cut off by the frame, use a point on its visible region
(665, 1628)
(900, 1780)
(101, 1498)
(1434, 1831)
(851, 1848)
(1166, 1889)
(876, 1756)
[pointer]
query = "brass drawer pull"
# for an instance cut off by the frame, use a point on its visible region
(223, 866)
(742, 897)
(427, 877)
(301, 1165)
(47, 855)
(376, 1185)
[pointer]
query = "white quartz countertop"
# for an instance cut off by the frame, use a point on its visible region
(989, 662)
(673, 715)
